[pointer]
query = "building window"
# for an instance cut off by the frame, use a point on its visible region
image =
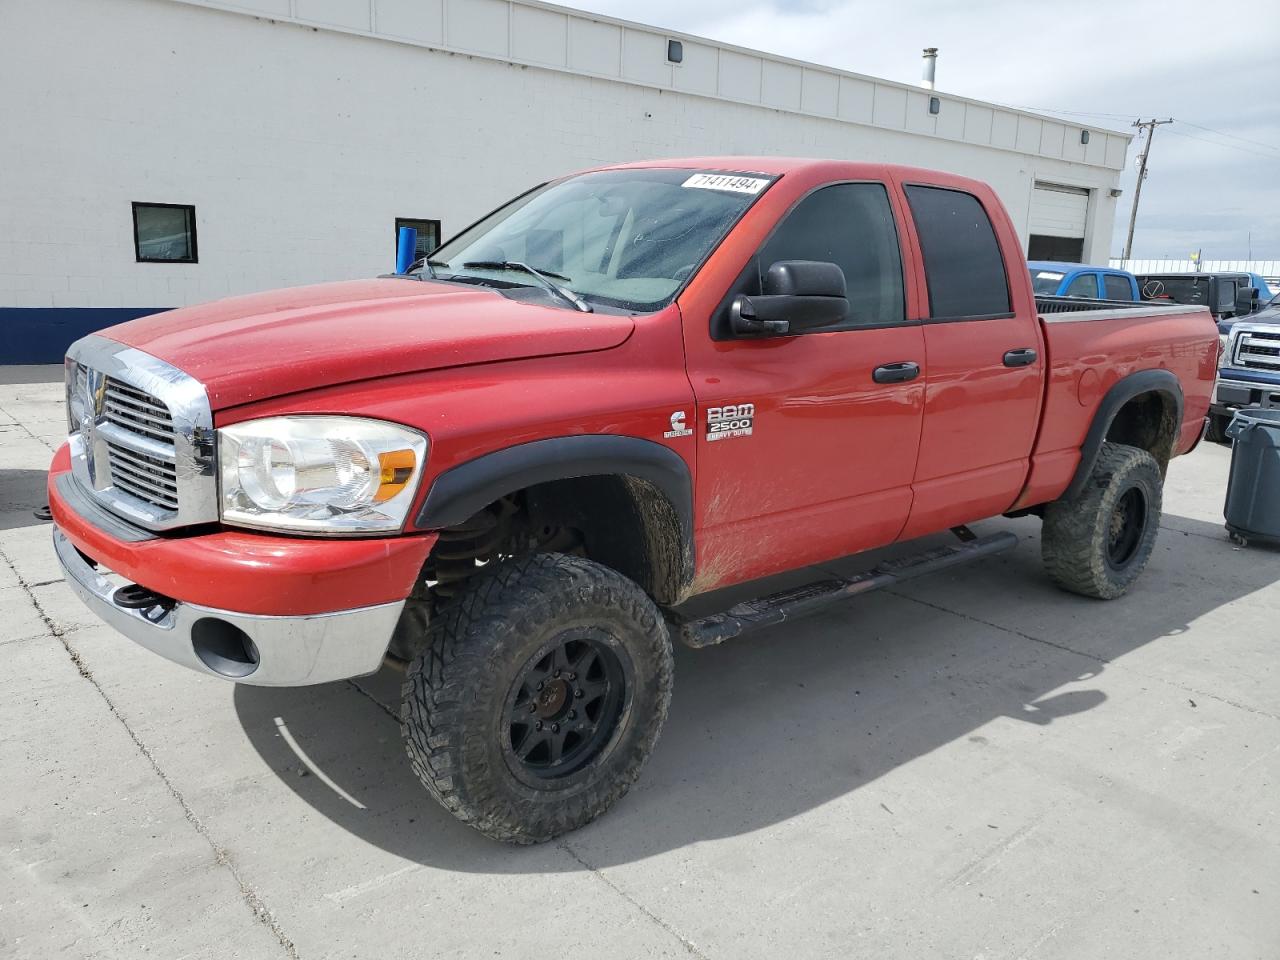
(164, 233)
(428, 234)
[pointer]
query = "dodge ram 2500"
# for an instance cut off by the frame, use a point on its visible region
(505, 470)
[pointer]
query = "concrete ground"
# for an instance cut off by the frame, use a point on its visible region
(974, 765)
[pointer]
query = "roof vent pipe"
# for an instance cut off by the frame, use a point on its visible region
(930, 66)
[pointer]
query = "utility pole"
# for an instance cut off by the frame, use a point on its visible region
(1150, 127)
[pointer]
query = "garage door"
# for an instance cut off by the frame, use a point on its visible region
(1058, 217)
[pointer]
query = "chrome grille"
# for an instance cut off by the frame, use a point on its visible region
(1259, 349)
(138, 412)
(150, 474)
(141, 435)
(147, 478)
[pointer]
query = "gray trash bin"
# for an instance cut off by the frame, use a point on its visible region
(1253, 490)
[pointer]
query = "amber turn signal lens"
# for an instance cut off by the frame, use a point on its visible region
(395, 470)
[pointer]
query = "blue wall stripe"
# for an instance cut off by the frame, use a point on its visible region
(42, 334)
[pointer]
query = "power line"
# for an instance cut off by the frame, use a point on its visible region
(1070, 113)
(1231, 136)
(1225, 146)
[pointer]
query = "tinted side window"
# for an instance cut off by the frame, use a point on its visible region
(962, 261)
(1085, 285)
(1226, 294)
(850, 225)
(1117, 288)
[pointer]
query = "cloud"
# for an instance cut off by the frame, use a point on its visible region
(1217, 69)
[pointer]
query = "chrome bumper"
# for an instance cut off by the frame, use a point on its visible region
(279, 652)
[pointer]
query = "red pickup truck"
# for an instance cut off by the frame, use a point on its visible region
(506, 470)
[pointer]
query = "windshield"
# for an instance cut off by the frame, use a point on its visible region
(1045, 282)
(1192, 290)
(623, 238)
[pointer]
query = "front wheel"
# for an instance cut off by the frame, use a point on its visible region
(1098, 542)
(538, 697)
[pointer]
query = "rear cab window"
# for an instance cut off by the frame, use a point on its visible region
(1116, 287)
(963, 263)
(1046, 282)
(1188, 290)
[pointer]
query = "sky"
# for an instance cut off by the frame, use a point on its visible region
(1213, 181)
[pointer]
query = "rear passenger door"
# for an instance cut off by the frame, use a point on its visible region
(985, 361)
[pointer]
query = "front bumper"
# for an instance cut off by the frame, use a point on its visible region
(252, 607)
(249, 648)
(1231, 394)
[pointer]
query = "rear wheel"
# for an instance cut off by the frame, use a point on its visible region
(1098, 542)
(540, 693)
(1215, 430)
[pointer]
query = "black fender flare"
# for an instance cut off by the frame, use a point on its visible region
(461, 491)
(1121, 392)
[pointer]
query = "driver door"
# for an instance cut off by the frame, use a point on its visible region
(806, 444)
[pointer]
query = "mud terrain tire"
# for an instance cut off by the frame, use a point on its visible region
(546, 640)
(1098, 542)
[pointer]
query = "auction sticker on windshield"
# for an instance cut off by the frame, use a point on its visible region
(726, 181)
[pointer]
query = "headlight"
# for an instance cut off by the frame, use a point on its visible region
(1222, 347)
(325, 475)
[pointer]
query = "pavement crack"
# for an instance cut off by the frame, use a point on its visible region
(995, 626)
(27, 430)
(220, 854)
(1089, 656)
(378, 703)
(685, 942)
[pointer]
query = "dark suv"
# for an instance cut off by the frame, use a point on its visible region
(1228, 296)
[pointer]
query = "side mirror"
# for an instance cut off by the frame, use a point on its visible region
(797, 295)
(1246, 300)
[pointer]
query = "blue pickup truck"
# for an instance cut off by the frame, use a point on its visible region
(1052, 278)
(1248, 368)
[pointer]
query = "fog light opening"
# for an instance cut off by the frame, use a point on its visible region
(224, 648)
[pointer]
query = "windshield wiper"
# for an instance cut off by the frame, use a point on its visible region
(542, 276)
(428, 263)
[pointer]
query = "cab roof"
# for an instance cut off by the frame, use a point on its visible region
(1066, 266)
(780, 166)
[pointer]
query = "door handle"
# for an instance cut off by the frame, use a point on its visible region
(1022, 357)
(896, 372)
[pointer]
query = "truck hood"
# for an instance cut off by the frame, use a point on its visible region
(286, 341)
(1265, 315)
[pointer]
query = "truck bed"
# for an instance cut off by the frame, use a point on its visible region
(1092, 344)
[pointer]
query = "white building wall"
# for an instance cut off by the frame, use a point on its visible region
(299, 129)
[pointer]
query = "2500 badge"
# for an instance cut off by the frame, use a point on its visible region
(732, 420)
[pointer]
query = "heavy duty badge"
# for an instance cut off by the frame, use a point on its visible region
(730, 421)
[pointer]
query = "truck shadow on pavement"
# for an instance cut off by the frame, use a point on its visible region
(764, 729)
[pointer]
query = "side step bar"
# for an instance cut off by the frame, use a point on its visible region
(789, 604)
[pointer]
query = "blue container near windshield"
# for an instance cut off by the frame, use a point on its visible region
(406, 248)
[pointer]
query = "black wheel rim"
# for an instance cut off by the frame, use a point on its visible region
(1128, 524)
(564, 706)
